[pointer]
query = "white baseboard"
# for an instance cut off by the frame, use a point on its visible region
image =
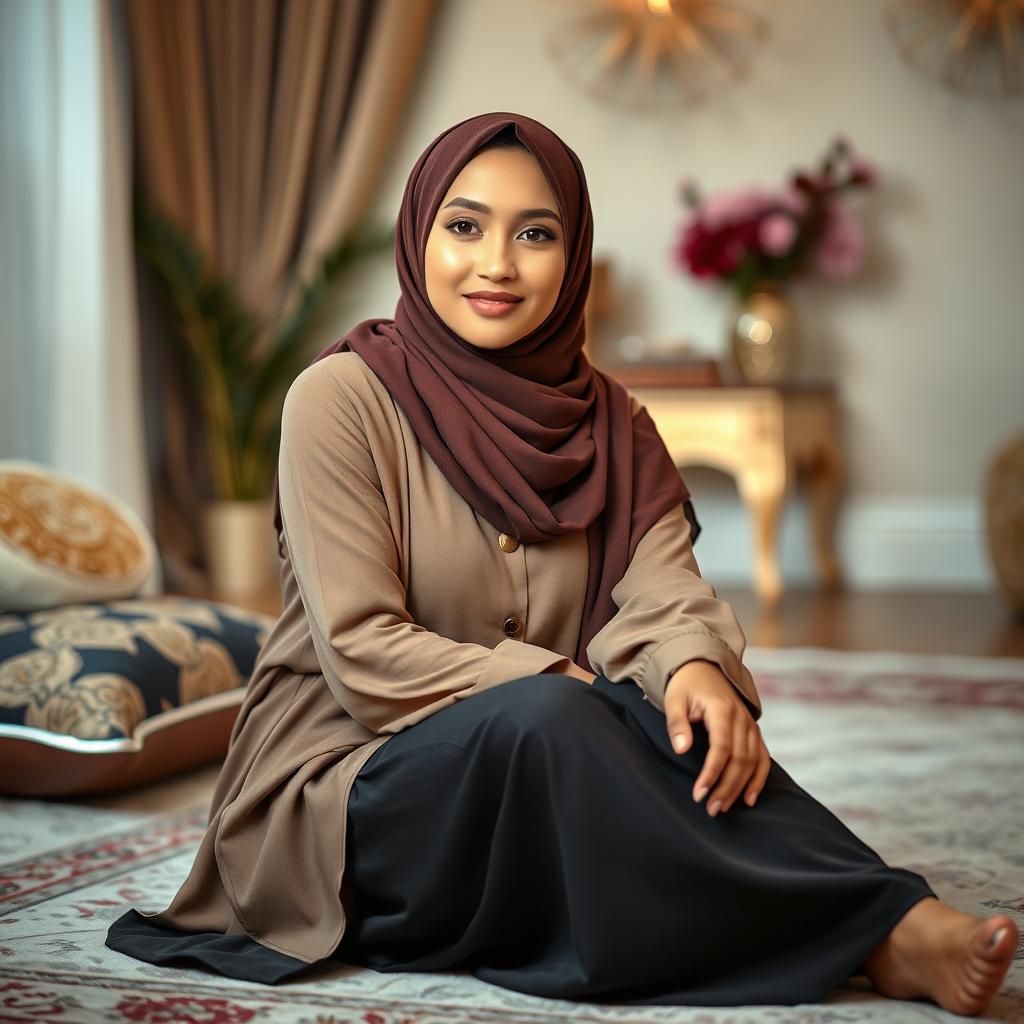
(883, 543)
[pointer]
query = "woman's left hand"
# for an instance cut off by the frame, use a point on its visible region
(699, 690)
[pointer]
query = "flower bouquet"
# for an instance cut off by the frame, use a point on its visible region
(754, 239)
(754, 235)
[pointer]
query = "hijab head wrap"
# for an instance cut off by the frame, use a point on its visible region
(531, 435)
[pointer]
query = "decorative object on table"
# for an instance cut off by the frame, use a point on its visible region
(1004, 520)
(109, 695)
(764, 339)
(756, 240)
(650, 57)
(62, 541)
(972, 46)
(679, 373)
(241, 368)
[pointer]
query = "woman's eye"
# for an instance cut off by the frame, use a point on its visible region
(454, 228)
(455, 223)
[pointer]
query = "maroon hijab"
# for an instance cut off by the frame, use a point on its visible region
(532, 436)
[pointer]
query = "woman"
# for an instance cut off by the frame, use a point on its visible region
(502, 723)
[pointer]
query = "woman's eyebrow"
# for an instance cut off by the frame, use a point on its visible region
(472, 204)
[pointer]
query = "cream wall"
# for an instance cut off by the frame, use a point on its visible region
(927, 346)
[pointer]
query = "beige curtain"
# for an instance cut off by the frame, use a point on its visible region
(261, 126)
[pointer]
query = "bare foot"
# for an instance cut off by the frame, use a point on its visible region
(944, 955)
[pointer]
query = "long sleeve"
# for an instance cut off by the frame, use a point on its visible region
(387, 671)
(668, 615)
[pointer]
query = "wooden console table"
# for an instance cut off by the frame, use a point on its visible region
(766, 437)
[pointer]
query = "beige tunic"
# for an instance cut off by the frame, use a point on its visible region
(397, 600)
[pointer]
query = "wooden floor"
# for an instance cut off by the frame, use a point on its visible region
(927, 622)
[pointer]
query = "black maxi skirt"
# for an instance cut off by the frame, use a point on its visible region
(542, 835)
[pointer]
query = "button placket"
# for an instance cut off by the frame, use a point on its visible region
(513, 624)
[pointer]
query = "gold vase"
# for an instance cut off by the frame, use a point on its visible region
(764, 334)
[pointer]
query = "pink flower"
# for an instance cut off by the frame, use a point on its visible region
(863, 172)
(841, 249)
(776, 233)
(795, 200)
(730, 207)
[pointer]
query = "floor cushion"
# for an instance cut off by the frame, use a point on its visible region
(100, 696)
(63, 541)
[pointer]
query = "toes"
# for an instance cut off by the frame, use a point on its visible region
(975, 997)
(974, 975)
(997, 939)
(982, 971)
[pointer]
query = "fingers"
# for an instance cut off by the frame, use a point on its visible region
(718, 718)
(737, 759)
(677, 721)
(764, 764)
(738, 770)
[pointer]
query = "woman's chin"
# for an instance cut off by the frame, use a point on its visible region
(491, 341)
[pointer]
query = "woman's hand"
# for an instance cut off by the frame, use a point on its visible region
(699, 690)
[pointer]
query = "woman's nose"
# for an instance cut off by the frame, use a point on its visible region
(495, 258)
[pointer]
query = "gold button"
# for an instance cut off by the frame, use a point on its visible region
(507, 543)
(512, 626)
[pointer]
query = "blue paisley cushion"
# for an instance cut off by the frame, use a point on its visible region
(112, 694)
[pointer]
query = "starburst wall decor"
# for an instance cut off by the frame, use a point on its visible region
(651, 56)
(972, 46)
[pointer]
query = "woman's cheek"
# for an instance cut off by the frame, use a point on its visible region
(451, 259)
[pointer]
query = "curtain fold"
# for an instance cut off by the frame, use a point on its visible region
(261, 129)
(71, 391)
(394, 39)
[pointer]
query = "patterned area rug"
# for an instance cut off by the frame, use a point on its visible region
(922, 757)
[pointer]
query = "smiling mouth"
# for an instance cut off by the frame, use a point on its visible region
(491, 307)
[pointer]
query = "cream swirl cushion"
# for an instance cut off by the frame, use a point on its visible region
(62, 541)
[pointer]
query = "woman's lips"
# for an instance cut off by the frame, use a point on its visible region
(490, 307)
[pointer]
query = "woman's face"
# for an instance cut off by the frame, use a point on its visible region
(496, 230)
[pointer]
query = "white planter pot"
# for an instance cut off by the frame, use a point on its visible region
(241, 547)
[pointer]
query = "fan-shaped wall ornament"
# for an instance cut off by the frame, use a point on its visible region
(650, 56)
(972, 46)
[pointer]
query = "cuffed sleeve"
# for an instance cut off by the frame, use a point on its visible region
(668, 615)
(387, 671)
(513, 658)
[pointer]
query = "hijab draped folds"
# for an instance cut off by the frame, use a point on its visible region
(532, 436)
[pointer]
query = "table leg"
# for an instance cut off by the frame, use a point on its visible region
(824, 481)
(763, 488)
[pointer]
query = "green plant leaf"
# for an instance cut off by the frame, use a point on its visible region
(240, 377)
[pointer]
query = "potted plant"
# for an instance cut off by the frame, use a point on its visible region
(241, 365)
(755, 240)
